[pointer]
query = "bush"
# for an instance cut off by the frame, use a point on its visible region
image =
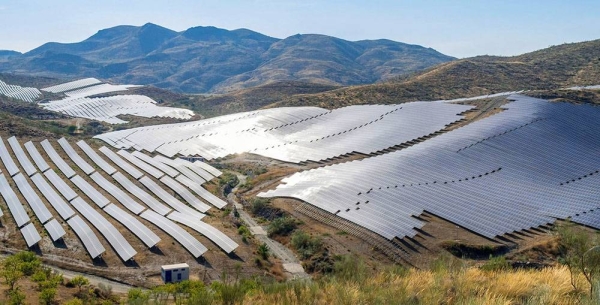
(496, 264)
(47, 296)
(263, 251)
(306, 245)
(257, 205)
(282, 226)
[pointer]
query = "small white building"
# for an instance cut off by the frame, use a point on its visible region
(175, 273)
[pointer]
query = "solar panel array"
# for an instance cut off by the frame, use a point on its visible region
(72, 85)
(524, 167)
(79, 102)
(58, 189)
(107, 109)
(21, 93)
(294, 134)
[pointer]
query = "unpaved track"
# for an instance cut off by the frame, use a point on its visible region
(287, 257)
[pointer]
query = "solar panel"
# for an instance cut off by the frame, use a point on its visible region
(63, 209)
(13, 203)
(90, 191)
(206, 195)
(21, 157)
(90, 241)
(114, 237)
(196, 169)
(142, 165)
(185, 194)
(116, 192)
(161, 166)
(126, 167)
(37, 158)
(216, 236)
(58, 161)
(168, 199)
(60, 185)
(55, 230)
(180, 235)
(9, 163)
(85, 167)
(91, 153)
(141, 194)
(36, 204)
(135, 226)
(31, 235)
(182, 169)
(215, 172)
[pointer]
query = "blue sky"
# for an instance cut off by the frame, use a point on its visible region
(459, 28)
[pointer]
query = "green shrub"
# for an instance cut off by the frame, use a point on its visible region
(282, 226)
(306, 245)
(496, 264)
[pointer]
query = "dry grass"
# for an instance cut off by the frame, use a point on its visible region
(466, 286)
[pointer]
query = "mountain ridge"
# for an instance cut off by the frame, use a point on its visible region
(206, 59)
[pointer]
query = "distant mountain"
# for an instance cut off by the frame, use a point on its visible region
(575, 64)
(7, 54)
(209, 59)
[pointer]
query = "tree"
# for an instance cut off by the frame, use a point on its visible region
(47, 296)
(79, 281)
(16, 297)
(580, 253)
(137, 296)
(11, 271)
(71, 129)
(263, 251)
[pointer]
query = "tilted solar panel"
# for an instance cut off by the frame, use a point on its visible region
(133, 224)
(206, 195)
(126, 167)
(141, 164)
(169, 199)
(160, 166)
(55, 230)
(85, 167)
(62, 187)
(9, 163)
(116, 192)
(185, 194)
(21, 157)
(89, 239)
(39, 209)
(141, 194)
(12, 201)
(31, 235)
(91, 153)
(90, 191)
(180, 235)
(58, 161)
(114, 237)
(63, 209)
(216, 236)
(37, 158)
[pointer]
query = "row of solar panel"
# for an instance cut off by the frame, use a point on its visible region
(535, 158)
(91, 243)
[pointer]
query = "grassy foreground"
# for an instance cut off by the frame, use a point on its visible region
(447, 282)
(469, 285)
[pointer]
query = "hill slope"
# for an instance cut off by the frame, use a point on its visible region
(209, 59)
(555, 67)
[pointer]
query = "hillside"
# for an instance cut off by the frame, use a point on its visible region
(209, 59)
(248, 99)
(555, 67)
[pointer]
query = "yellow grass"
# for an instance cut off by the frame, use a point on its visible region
(467, 286)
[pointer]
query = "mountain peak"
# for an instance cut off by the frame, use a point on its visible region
(212, 59)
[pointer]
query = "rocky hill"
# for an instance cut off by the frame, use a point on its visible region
(209, 59)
